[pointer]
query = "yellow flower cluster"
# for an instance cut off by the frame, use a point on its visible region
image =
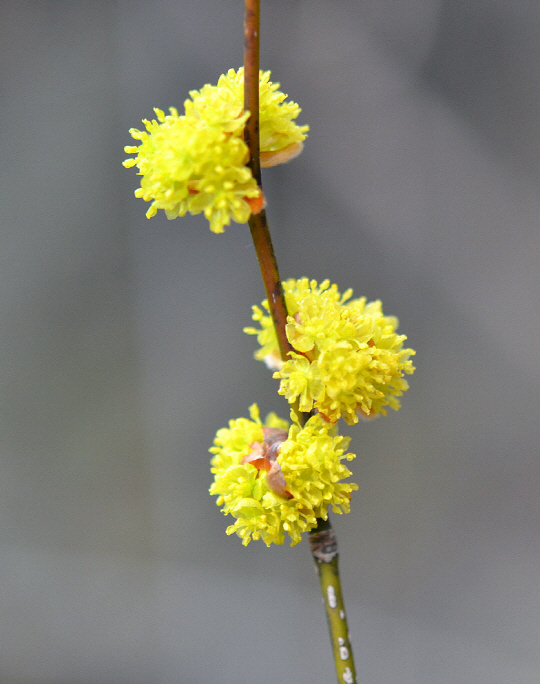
(196, 162)
(348, 358)
(276, 481)
(186, 167)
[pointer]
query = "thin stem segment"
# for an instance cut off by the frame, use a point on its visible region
(258, 223)
(323, 544)
(251, 83)
(260, 235)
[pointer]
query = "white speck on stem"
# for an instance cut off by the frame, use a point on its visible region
(331, 595)
(348, 676)
(342, 614)
(344, 653)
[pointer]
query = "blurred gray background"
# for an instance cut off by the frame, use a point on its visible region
(122, 348)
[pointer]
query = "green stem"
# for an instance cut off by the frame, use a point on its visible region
(323, 544)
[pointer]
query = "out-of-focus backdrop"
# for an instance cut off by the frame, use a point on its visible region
(122, 348)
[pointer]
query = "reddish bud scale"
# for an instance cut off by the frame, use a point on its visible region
(263, 456)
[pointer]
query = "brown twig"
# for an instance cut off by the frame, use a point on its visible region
(258, 223)
(251, 84)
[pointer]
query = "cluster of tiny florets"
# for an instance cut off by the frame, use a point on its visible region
(348, 358)
(309, 461)
(187, 167)
(274, 478)
(196, 162)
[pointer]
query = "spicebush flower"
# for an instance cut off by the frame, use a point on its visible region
(348, 358)
(196, 162)
(275, 479)
(186, 167)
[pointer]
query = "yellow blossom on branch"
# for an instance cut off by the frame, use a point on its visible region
(348, 358)
(185, 167)
(275, 479)
(196, 162)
